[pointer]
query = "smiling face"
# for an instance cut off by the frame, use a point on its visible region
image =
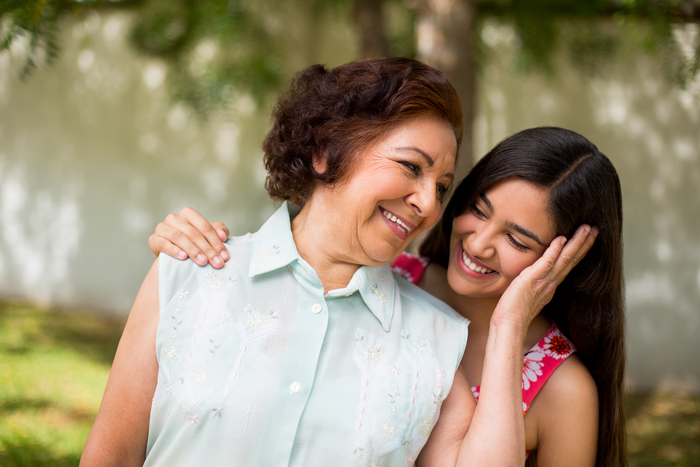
(506, 230)
(392, 193)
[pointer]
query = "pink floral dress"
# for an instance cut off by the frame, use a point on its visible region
(539, 362)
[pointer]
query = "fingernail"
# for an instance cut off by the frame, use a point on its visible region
(201, 258)
(595, 231)
(224, 255)
(181, 254)
(216, 261)
(586, 229)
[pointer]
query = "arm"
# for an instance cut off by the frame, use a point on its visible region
(569, 395)
(495, 435)
(120, 432)
(189, 234)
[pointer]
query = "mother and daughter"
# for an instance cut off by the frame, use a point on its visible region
(298, 346)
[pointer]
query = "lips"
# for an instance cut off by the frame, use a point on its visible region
(473, 266)
(405, 226)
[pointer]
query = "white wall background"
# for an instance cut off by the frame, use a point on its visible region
(93, 155)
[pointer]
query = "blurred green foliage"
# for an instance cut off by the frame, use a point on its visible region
(217, 49)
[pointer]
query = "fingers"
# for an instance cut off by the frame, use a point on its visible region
(221, 229)
(159, 244)
(208, 247)
(189, 234)
(573, 252)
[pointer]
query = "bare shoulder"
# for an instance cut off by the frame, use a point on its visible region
(571, 385)
(566, 414)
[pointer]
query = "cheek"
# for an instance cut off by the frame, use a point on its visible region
(517, 263)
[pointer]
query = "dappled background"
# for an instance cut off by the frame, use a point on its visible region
(145, 107)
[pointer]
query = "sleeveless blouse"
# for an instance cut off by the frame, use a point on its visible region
(258, 366)
(539, 362)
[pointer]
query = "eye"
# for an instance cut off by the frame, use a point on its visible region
(477, 212)
(415, 168)
(516, 244)
(441, 191)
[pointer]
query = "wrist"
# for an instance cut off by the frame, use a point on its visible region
(508, 328)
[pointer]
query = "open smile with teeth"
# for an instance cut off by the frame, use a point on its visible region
(396, 221)
(473, 266)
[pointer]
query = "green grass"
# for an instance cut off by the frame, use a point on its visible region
(54, 367)
(53, 370)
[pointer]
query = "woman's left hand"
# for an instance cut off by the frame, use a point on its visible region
(535, 286)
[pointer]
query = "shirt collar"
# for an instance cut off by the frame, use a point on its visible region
(274, 248)
(273, 244)
(378, 290)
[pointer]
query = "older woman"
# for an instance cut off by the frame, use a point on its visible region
(304, 349)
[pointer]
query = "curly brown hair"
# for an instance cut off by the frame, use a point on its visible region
(329, 115)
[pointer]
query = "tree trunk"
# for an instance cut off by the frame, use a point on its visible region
(369, 19)
(444, 35)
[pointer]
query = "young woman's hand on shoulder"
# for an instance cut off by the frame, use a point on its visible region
(188, 234)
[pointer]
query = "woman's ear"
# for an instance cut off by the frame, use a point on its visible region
(320, 163)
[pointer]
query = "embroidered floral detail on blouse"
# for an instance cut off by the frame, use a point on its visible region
(556, 345)
(426, 425)
(217, 412)
(376, 291)
(178, 321)
(389, 429)
(200, 378)
(369, 354)
(170, 353)
(233, 279)
(393, 395)
(416, 349)
(256, 320)
(396, 370)
(532, 367)
(214, 346)
(215, 284)
(269, 254)
(193, 419)
(169, 389)
(363, 398)
(224, 318)
(182, 294)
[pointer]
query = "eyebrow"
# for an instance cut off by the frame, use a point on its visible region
(426, 156)
(513, 226)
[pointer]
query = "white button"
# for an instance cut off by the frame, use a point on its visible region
(294, 388)
(316, 308)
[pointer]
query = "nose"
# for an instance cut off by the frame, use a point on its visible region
(424, 200)
(480, 242)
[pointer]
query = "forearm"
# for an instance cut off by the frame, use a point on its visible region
(496, 435)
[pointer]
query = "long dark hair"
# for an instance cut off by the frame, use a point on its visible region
(588, 306)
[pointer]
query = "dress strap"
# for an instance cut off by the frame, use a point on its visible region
(541, 361)
(410, 267)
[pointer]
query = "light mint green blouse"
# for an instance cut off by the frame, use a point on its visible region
(257, 367)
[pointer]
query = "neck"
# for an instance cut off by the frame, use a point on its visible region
(317, 245)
